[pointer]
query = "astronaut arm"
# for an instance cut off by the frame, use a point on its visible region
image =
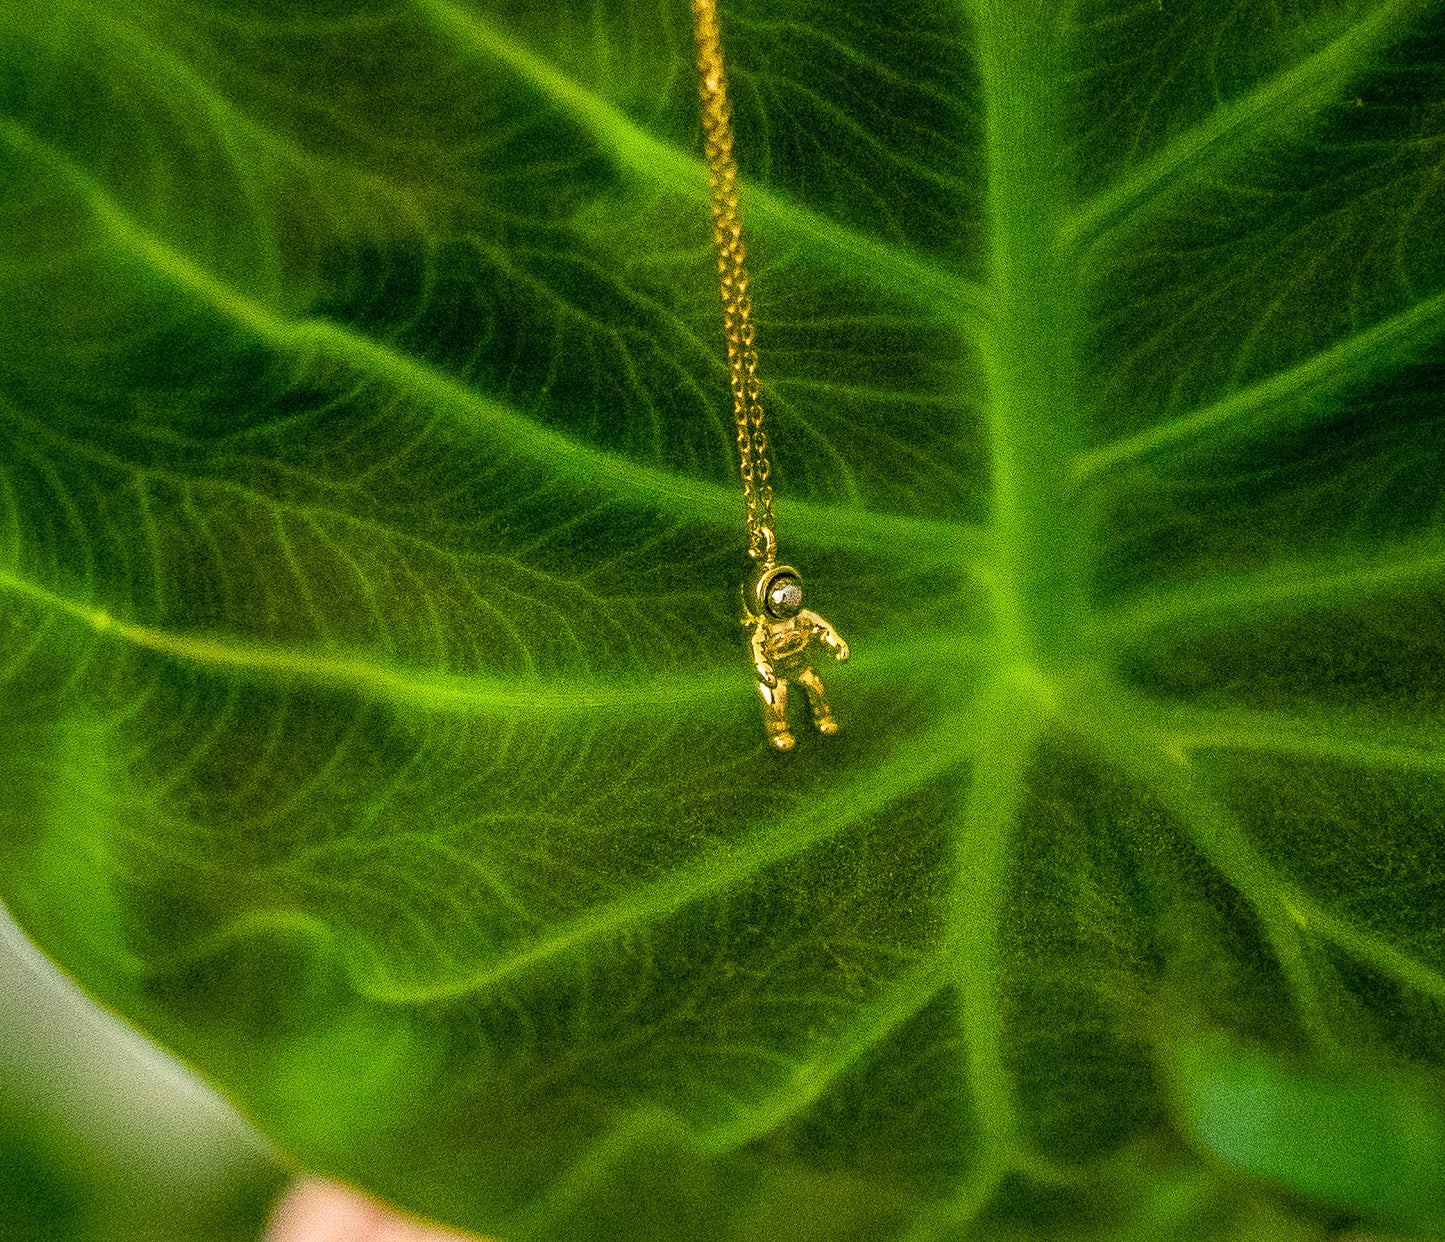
(827, 635)
(758, 636)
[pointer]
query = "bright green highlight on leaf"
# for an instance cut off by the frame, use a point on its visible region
(379, 732)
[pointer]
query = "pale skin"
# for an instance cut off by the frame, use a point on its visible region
(322, 1211)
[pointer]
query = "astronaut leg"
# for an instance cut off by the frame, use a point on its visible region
(775, 714)
(822, 715)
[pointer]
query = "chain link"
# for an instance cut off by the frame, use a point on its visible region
(732, 270)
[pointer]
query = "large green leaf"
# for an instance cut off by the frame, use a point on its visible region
(378, 730)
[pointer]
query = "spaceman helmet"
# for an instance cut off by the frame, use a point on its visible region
(776, 593)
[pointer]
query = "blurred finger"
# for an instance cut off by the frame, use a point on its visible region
(315, 1210)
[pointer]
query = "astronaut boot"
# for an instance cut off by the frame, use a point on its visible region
(775, 715)
(823, 719)
(781, 738)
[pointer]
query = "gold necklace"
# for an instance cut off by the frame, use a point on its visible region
(782, 633)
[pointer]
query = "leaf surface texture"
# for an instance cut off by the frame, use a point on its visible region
(380, 733)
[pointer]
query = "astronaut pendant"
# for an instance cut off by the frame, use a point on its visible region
(783, 634)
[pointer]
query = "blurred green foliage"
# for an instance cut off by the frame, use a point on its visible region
(105, 1139)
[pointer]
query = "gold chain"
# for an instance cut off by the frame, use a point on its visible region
(727, 235)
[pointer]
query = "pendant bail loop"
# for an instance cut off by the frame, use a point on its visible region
(764, 546)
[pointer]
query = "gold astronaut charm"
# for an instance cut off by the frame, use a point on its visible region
(783, 635)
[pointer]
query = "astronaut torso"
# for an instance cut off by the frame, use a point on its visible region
(786, 641)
